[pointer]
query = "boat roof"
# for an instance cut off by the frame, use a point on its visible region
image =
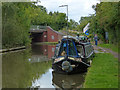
(76, 39)
(70, 37)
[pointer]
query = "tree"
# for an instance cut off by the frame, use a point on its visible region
(106, 19)
(16, 24)
(83, 22)
(72, 24)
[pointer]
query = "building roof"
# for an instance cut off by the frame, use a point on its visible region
(55, 31)
(38, 28)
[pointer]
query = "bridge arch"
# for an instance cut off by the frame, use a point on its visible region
(44, 34)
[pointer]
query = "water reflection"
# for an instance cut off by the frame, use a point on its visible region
(68, 81)
(21, 69)
(32, 69)
(45, 81)
(42, 52)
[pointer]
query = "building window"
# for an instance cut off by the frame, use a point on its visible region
(52, 37)
(45, 36)
(53, 49)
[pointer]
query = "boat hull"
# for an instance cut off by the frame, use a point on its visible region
(76, 67)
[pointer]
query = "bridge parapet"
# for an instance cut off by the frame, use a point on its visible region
(38, 28)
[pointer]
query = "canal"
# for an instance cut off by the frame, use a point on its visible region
(31, 68)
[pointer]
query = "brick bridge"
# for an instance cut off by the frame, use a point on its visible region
(44, 34)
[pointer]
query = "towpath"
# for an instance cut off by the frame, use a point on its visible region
(105, 50)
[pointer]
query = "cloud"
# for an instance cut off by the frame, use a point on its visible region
(76, 8)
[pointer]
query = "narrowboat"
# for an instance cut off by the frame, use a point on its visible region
(72, 56)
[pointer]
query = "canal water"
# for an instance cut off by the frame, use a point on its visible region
(31, 68)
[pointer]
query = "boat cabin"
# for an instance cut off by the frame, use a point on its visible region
(73, 48)
(66, 47)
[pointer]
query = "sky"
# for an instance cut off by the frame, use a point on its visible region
(76, 8)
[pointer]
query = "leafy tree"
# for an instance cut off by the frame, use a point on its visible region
(107, 18)
(83, 22)
(72, 24)
(16, 23)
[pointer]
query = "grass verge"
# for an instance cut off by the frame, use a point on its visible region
(103, 73)
(110, 46)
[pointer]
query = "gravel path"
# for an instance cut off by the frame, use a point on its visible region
(106, 50)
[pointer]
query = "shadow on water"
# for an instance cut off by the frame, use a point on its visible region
(68, 81)
(32, 69)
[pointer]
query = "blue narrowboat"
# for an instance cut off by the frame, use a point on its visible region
(72, 56)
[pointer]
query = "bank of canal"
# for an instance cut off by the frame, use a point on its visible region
(103, 73)
(32, 69)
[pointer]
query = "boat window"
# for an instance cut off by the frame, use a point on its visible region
(72, 51)
(80, 50)
(63, 49)
(88, 50)
(56, 51)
